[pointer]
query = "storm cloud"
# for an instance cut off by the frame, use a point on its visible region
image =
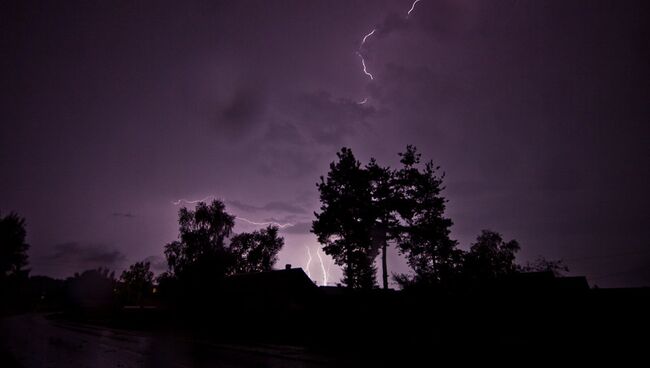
(536, 111)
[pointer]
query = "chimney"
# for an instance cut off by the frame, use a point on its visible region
(287, 266)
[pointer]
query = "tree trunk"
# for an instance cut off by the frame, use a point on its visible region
(384, 265)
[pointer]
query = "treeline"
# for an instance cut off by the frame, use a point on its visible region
(206, 252)
(365, 209)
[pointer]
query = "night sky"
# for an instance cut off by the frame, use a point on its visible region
(537, 111)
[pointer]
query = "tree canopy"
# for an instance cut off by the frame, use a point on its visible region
(136, 282)
(363, 209)
(256, 251)
(207, 250)
(13, 246)
(344, 225)
(200, 251)
(425, 237)
(491, 257)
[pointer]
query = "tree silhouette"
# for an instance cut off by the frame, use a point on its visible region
(91, 290)
(13, 248)
(490, 257)
(541, 264)
(425, 240)
(256, 251)
(203, 257)
(200, 254)
(346, 220)
(136, 283)
(384, 206)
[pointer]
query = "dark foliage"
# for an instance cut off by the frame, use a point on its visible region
(207, 252)
(425, 241)
(92, 292)
(541, 264)
(13, 248)
(385, 203)
(490, 257)
(364, 209)
(136, 283)
(344, 225)
(256, 251)
(200, 256)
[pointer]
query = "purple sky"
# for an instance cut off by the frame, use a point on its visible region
(537, 112)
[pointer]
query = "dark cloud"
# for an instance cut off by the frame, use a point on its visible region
(393, 22)
(123, 214)
(537, 111)
(290, 162)
(73, 255)
(242, 113)
(243, 206)
(158, 264)
(283, 207)
(284, 134)
(327, 120)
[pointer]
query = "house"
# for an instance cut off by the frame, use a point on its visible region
(289, 289)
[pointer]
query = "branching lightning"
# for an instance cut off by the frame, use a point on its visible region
(308, 262)
(412, 7)
(194, 201)
(322, 266)
(363, 63)
(281, 226)
(363, 42)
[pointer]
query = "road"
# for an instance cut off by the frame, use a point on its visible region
(35, 341)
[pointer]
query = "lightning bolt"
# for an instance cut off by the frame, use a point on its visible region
(281, 226)
(322, 266)
(329, 267)
(412, 7)
(363, 41)
(368, 35)
(195, 201)
(308, 262)
(363, 63)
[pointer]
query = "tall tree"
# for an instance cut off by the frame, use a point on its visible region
(491, 257)
(13, 248)
(344, 225)
(136, 283)
(384, 202)
(425, 240)
(256, 251)
(200, 253)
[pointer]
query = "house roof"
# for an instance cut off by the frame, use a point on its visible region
(278, 281)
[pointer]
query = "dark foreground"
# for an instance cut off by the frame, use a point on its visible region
(33, 340)
(272, 326)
